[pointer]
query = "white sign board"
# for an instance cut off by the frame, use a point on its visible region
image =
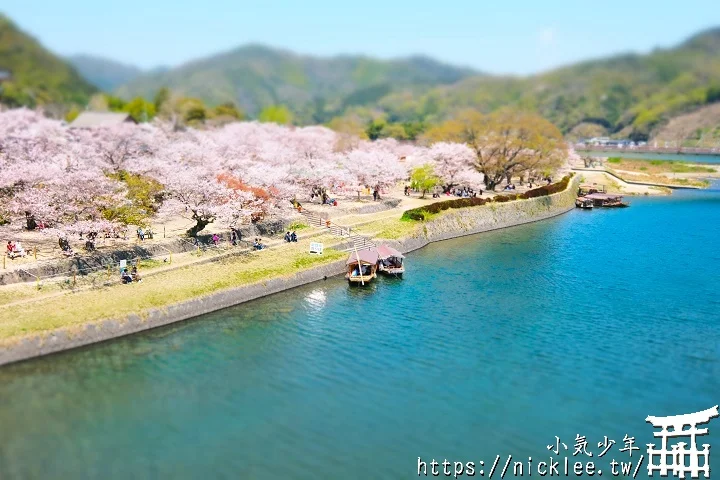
(123, 264)
(316, 247)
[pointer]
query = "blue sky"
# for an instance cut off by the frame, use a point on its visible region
(519, 37)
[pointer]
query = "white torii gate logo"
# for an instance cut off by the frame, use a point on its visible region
(682, 460)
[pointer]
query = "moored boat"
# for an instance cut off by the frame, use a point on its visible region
(607, 200)
(390, 261)
(362, 266)
(584, 203)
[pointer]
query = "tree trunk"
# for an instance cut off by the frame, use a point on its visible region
(30, 221)
(200, 223)
(423, 193)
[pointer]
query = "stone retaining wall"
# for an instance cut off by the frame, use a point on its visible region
(84, 263)
(449, 224)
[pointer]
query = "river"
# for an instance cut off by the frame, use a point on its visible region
(493, 344)
(675, 157)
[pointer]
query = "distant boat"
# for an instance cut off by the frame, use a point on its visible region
(362, 266)
(390, 261)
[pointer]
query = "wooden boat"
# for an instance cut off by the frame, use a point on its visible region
(607, 200)
(390, 261)
(584, 203)
(587, 189)
(362, 266)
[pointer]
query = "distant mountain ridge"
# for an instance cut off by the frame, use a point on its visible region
(107, 75)
(37, 76)
(255, 76)
(628, 95)
(625, 95)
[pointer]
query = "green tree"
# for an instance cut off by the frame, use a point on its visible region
(394, 130)
(196, 113)
(414, 129)
(140, 109)
(713, 94)
(276, 114)
(144, 197)
(423, 178)
(229, 109)
(161, 97)
(72, 114)
(375, 128)
(115, 104)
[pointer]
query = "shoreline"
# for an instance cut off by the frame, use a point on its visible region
(635, 182)
(450, 224)
(653, 151)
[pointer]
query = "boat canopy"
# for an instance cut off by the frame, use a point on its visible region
(369, 257)
(385, 251)
(603, 196)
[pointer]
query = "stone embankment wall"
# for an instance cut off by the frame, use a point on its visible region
(449, 224)
(455, 223)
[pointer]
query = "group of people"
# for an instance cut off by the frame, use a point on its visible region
(291, 237)
(130, 277)
(257, 245)
(463, 192)
(361, 270)
(90, 243)
(15, 250)
(142, 234)
(509, 187)
(376, 193)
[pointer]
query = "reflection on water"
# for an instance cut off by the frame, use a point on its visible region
(491, 344)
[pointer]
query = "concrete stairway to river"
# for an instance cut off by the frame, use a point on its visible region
(359, 242)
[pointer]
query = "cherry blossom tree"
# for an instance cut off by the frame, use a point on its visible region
(452, 164)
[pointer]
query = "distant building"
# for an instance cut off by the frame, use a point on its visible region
(101, 119)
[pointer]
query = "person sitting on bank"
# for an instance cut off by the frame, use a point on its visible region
(135, 275)
(65, 246)
(293, 236)
(125, 277)
(288, 237)
(257, 245)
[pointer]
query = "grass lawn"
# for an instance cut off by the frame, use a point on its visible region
(656, 171)
(163, 289)
(656, 167)
(389, 228)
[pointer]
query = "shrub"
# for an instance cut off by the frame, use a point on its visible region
(434, 208)
(422, 213)
(547, 189)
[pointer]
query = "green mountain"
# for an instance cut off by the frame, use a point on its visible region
(316, 89)
(105, 74)
(31, 75)
(627, 95)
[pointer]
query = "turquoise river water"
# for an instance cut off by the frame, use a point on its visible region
(674, 157)
(493, 344)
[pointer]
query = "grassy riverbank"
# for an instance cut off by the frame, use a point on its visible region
(43, 314)
(662, 172)
(73, 314)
